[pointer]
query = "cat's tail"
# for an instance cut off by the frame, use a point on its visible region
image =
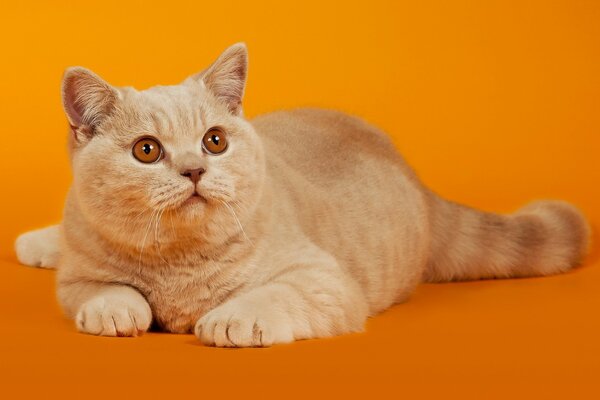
(542, 238)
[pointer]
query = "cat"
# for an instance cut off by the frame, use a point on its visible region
(295, 225)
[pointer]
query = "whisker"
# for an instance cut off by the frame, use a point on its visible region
(173, 226)
(156, 222)
(145, 237)
(238, 222)
(157, 236)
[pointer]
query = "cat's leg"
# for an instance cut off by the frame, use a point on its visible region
(300, 301)
(39, 248)
(105, 309)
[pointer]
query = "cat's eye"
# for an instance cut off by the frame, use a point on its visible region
(147, 150)
(214, 141)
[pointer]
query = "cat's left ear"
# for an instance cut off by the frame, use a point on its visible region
(226, 77)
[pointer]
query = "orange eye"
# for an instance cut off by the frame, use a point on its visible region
(214, 141)
(147, 150)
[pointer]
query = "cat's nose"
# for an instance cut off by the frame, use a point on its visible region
(194, 174)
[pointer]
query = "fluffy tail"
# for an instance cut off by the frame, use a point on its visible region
(543, 238)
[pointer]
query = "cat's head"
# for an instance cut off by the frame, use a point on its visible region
(181, 157)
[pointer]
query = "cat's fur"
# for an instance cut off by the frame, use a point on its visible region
(312, 221)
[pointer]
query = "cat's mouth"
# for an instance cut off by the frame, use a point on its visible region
(195, 198)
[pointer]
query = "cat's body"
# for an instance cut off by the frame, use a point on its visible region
(309, 223)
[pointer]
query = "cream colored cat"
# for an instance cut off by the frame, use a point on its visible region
(296, 225)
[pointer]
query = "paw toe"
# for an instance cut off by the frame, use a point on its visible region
(98, 317)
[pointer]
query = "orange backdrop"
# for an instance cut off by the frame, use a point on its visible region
(494, 103)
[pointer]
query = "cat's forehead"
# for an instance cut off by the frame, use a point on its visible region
(166, 111)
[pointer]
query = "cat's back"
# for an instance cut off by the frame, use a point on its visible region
(324, 140)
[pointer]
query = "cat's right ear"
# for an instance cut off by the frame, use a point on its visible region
(87, 100)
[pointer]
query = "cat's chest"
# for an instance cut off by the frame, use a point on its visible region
(180, 295)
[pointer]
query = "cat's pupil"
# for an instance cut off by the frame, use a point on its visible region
(215, 139)
(147, 148)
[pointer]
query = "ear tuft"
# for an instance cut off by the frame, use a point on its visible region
(87, 99)
(226, 77)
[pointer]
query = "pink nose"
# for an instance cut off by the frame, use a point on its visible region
(194, 174)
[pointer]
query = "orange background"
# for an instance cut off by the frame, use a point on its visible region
(494, 103)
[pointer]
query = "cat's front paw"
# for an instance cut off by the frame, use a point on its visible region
(106, 316)
(235, 325)
(39, 248)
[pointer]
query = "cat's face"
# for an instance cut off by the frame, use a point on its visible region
(167, 161)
